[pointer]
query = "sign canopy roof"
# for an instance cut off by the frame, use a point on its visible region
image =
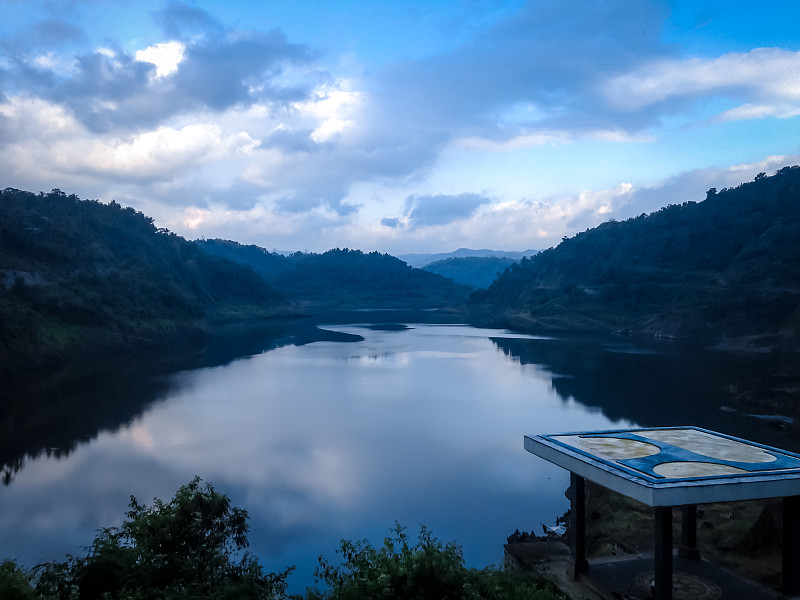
(672, 466)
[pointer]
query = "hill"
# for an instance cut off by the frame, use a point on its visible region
(343, 278)
(422, 260)
(725, 269)
(474, 271)
(78, 276)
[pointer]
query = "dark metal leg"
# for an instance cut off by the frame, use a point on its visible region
(688, 547)
(663, 553)
(577, 513)
(791, 546)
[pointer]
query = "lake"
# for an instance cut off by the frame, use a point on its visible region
(340, 433)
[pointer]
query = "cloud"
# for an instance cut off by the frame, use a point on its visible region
(765, 80)
(54, 33)
(181, 21)
(441, 209)
(237, 122)
(165, 56)
(393, 222)
(109, 88)
(549, 58)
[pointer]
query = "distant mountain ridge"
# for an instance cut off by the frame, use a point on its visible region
(80, 276)
(422, 260)
(726, 269)
(343, 278)
(474, 271)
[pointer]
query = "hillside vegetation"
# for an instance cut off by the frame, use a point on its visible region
(343, 278)
(423, 260)
(725, 269)
(474, 271)
(78, 276)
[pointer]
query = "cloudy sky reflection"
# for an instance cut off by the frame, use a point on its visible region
(322, 442)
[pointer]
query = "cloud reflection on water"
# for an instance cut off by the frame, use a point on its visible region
(322, 442)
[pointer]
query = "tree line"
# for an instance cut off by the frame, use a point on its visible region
(721, 268)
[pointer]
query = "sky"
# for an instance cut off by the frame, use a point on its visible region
(397, 126)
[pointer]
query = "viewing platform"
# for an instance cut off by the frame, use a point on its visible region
(665, 468)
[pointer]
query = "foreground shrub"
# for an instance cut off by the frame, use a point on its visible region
(14, 582)
(428, 570)
(194, 547)
(189, 548)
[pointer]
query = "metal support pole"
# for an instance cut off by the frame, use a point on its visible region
(663, 553)
(791, 546)
(577, 512)
(688, 547)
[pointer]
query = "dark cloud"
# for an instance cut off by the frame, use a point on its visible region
(181, 21)
(54, 33)
(552, 55)
(393, 223)
(224, 72)
(304, 201)
(106, 91)
(291, 141)
(441, 209)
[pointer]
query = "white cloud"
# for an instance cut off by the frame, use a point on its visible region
(333, 110)
(517, 142)
(760, 111)
(42, 137)
(31, 120)
(771, 75)
(165, 56)
(161, 152)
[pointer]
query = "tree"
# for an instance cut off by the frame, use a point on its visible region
(14, 582)
(428, 570)
(188, 548)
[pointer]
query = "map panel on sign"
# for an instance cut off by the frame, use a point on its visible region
(679, 453)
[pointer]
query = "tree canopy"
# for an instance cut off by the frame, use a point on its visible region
(725, 267)
(77, 275)
(193, 547)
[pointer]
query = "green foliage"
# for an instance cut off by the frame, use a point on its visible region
(189, 548)
(79, 274)
(728, 266)
(343, 277)
(194, 547)
(428, 570)
(14, 582)
(474, 271)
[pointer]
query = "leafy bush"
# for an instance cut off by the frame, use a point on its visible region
(193, 547)
(14, 582)
(429, 570)
(188, 548)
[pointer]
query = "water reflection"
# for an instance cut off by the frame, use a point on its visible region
(322, 441)
(50, 413)
(662, 383)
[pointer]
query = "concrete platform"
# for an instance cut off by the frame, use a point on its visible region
(628, 577)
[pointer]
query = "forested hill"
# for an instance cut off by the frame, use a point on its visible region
(78, 274)
(343, 278)
(474, 271)
(726, 268)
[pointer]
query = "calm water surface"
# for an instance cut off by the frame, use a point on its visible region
(339, 439)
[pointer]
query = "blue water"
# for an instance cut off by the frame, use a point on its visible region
(332, 440)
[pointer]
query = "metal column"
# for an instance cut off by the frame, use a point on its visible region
(663, 552)
(577, 512)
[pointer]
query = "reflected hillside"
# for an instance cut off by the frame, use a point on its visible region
(670, 384)
(51, 413)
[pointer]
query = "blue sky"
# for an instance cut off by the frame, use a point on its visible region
(397, 126)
